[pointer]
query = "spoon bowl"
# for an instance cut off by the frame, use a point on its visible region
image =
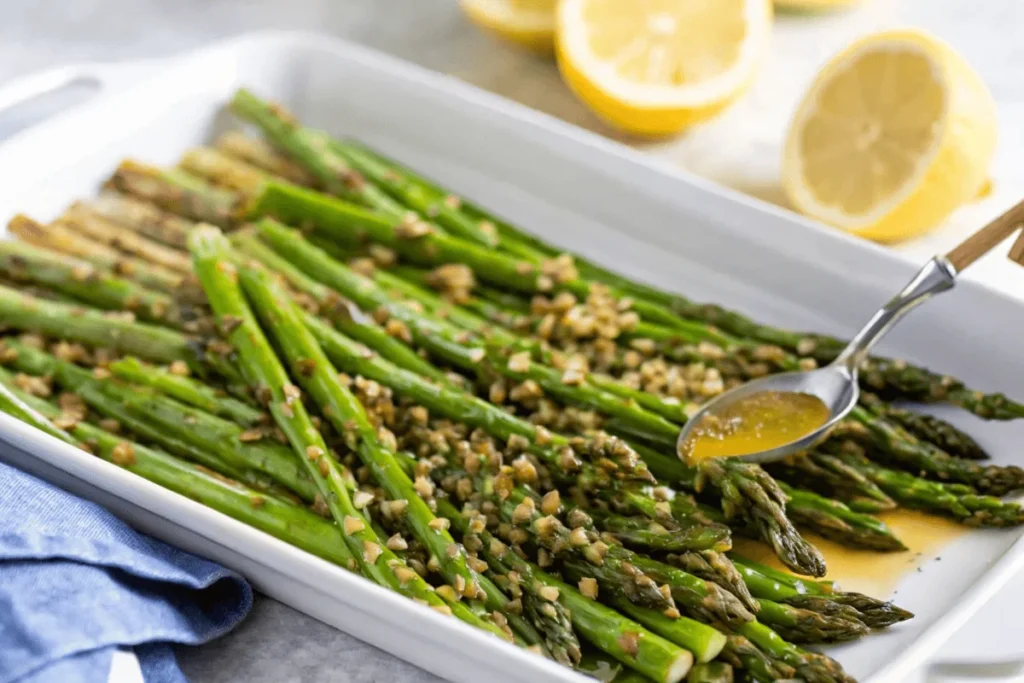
(835, 385)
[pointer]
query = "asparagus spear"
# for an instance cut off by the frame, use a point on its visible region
(744, 485)
(829, 475)
(894, 444)
(612, 566)
(896, 377)
(647, 534)
(605, 669)
(711, 672)
(769, 584)
(927, 428)
(554, 620)
(833, 520)
(313, 152)
(717, 568)
(144, 218)
(94, 328)
(81, 280)
(82, 219)
(279, 518)
(911, 491)
(423, 243)
(221, 169)
(180, 429)
(210, 252)
(19, 405)
(701, 599)
(743, 655)
(258, 153)
(445, 211)
(175, 192)
(319, 378)
(62, 239)
(439, 336)
(187, 390)
(620, 637)
(345, 316)
(806, 626)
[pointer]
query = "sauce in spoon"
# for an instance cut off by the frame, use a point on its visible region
(759, 422)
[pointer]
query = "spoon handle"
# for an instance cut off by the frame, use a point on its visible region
(938, 275)
(989, 237)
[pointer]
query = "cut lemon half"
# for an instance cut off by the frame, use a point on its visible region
(813, 5)
(530, 23)
(896, 132)
(654, 67)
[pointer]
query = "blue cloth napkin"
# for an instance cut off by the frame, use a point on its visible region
(76, 583)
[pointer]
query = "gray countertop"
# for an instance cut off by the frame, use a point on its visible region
(739, 148)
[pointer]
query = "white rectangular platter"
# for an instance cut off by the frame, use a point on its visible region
(646, 219)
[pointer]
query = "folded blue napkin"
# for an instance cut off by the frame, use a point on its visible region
(76, 583)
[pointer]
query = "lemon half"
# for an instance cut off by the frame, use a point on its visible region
(658, 66)
(530, 23)
(896, 132)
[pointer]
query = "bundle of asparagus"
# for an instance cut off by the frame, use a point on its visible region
(407, 386)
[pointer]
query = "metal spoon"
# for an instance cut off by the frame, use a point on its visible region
(836, 384)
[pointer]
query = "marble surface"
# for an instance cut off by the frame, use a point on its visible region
(740, 149)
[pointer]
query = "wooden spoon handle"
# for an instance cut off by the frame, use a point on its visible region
(989, 237)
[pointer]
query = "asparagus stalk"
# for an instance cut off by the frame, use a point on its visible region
(525, 247)
(312, 151)
(439, 336)
(895, 445)
(94, 328)
(896, 377)
(717, 568)
(186, 431)
(444, 211)
(911, 491)
(175, 192)
(423, 243)
(317, 376)
(743, 484)
(60, 238)
(553, 621)
(711, 672)
(804, 626)
(144, 218)
(927, 428)
(187, 390)
(221, 169)
(766, 583)
(279, 518)
(606, 669)
(82, 219)
(647, 534)
(20, 406)
(258, 153)
(81, 280)
(620, 637)
(345, 316)
(210, 252)
(611, 565)
(833, 520)
(829, 475)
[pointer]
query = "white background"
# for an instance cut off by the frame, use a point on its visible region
(740, 149)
